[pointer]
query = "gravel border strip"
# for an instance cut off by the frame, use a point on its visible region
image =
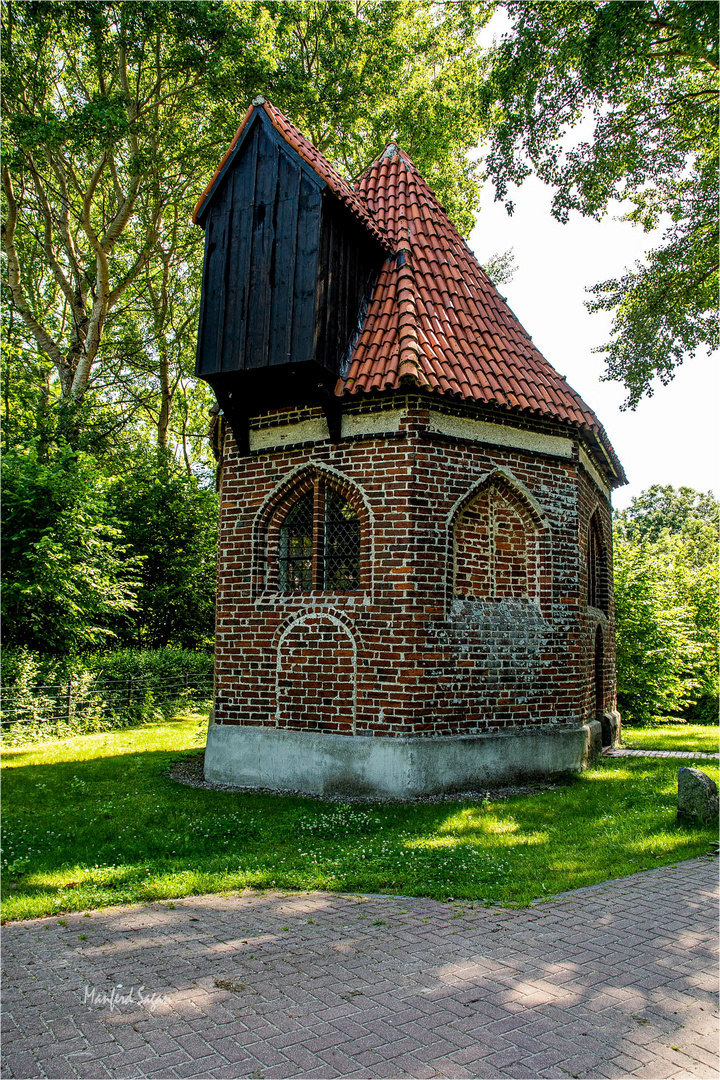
(189, 771)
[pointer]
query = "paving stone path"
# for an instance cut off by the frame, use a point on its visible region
(613, 980)
(625, 752)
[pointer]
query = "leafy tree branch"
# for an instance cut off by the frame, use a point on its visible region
(644, 76)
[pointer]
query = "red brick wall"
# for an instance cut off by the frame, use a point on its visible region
(316, 677)
(512, 537)
(473, 543)
(425, 646)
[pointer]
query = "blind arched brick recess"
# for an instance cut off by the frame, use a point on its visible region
(317, 676)
(497, 542)
(597, 585)
(473, 550)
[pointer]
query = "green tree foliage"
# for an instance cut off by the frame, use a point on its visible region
(169, 518)
(500, 267)
(666, 605)
(662, 508)
(107, 520)
(354, 75)
(643, 74)
(123, 554)
(656, 650)
(115, 116)
(66, 573)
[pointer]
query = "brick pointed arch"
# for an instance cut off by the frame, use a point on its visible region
(500, 475)
(498, 543)
(278, 503)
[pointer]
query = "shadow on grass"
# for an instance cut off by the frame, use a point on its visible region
(115, 828)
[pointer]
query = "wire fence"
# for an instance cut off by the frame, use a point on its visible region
(91, 702)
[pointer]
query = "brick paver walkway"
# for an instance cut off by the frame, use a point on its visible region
(613, 980)
(623, 751)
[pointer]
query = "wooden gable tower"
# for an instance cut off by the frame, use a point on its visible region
(415, 564)
(289, 265)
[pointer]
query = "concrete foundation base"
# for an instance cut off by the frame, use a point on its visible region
(393, 768)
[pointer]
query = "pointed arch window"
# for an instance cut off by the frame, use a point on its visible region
(341, 543)
(319, 543)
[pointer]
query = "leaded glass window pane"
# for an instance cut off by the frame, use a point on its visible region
(296, 547)
(341, 564)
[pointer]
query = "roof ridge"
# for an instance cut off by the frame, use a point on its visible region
(291, 134)
(409, 368)
(274, 114)
(327, 171)
(437, 320)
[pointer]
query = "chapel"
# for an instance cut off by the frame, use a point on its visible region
(415, 559)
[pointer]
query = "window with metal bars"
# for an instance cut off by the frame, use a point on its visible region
(319, 544)
(296, 547)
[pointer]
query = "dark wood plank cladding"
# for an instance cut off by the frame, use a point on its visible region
(306, 271)
(349, 261)
(261, 259)
(241, 191)
(286, 266)
(285, 227)
(210, 333)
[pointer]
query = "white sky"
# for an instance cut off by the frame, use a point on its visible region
(670, 438)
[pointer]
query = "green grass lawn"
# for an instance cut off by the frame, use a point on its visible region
(700, 738)
(95, 820)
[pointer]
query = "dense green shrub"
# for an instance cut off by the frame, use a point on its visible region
(47, 696)
(67, 574)
(666, 605)
(657, 654)
(155, 665)
(95, 553)
(169, 521)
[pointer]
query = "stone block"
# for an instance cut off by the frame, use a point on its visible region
(697, 796)
(611, 728)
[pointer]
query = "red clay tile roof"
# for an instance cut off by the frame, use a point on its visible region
(339, 187)
(436, 320)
